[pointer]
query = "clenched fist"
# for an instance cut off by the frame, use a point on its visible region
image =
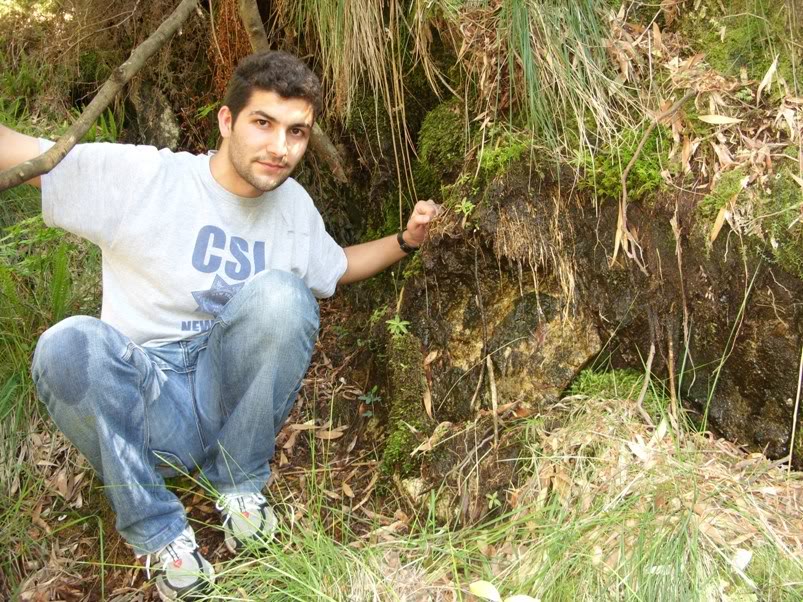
(418, 224)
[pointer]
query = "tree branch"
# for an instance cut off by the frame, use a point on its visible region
(249, 13)
(119, 77)
(319, 142)
(622, 232)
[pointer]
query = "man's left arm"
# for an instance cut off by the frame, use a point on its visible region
(370, 258)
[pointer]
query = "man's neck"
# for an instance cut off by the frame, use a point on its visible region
(225, 175)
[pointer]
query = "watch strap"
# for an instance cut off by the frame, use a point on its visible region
(404, 246)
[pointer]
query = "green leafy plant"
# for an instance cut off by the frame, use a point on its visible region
(108, 127)
(397, 327)
(369, 398)
(493, 500)
(203, 111)
(465, 207)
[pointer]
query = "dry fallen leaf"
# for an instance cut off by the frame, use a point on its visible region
(485, 590)
(428, 401)
(431, 357)
(329, 435)
(767, 81)
(719, 119)
(718, 223)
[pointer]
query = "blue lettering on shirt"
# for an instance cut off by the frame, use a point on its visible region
(208, 236)
(247, 262)
(239, 249)
(196, 325)
(207, 257)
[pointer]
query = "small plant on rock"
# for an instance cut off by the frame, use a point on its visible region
(397, 327)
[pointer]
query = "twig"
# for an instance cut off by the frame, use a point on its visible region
(119, 78)
(679, 253)
(623, 233)
(481, 307)
(319, 142)
(492, 382)
(673, 396)
(474, 405)
(797, 406)
(643, 394)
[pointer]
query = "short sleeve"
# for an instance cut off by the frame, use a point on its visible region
(90, 191)
(327, 262)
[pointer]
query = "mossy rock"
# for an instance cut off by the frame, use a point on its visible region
(504, 149)
(442, 140)
(603, 171)
(784, 225)
(408, 423)
(621, 384)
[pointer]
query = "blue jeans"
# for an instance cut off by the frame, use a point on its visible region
(214, 402)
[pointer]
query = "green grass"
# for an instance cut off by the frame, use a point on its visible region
(591, 521)
(45, 275)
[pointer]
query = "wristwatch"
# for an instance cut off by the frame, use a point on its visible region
(403, 245)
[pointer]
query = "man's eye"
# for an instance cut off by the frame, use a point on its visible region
(297, 132)
(262, 122)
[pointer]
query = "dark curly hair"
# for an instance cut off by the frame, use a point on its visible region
(272, 71)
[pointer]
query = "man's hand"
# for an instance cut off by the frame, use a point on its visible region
(369, 258)
(418, 224)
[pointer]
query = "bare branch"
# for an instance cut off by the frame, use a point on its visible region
(119, 77)
(249, 13)
(320, 144)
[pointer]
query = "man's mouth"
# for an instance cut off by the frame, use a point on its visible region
(272, 166)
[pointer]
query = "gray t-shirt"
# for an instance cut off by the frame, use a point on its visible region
(176, 244)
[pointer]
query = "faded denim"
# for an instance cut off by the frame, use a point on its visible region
(214, 402)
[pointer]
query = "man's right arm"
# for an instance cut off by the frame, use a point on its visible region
(16, 148)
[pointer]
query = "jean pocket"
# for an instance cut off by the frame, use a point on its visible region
(168, 464)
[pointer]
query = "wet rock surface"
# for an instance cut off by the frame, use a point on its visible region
(739, 312)
(530, 283)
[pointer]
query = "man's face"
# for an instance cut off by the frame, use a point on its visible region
(266, 142)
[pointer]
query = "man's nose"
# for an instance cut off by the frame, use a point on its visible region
(277, 144)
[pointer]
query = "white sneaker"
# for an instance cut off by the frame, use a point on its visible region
(180, 572)
(246, 518)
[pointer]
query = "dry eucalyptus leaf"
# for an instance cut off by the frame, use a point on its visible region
(329, 435)
(485, 590)
(767, 81)
(719, 119)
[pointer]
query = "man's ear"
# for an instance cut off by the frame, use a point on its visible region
(225, 122)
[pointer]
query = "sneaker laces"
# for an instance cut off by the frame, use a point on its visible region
(184, 542)
(244, 503)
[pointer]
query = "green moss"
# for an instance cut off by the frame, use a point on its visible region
(407, 387)
(783, 222)
(728, 188)
(748, 35)
(507, 148)
(777, 576)
(387, 222)
(414, 267)
(441, 140)
(603, 172)
(427, 184)
(620, 384)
